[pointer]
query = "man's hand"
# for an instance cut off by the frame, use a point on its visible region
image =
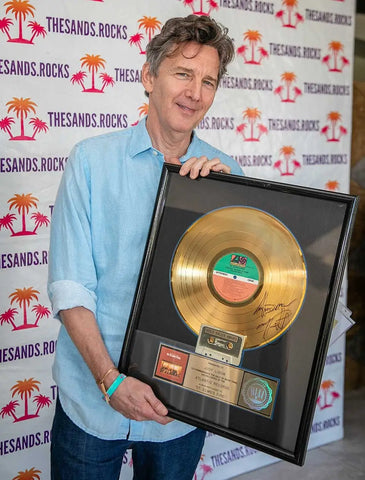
(136, 401)
(200, 166)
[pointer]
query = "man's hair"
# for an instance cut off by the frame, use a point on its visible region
(179, 30)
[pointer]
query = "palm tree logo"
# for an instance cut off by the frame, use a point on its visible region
(21, 9)
(256, 130)
(143, 111)
(329, 397)
(24, 389)
(286, 164)
(204, 468)
(289, 11)
(252, 37)
(332, 59)
(286, 88)
(211, 5)
(23, 203)
(31, 474)
(333, 130)
(332, 185)
(93, 63)
(24, 297)
(150, 25)
(22, 107)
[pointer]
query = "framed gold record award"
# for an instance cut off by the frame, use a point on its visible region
(235, 303)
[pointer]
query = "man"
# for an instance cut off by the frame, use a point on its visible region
(99, 229)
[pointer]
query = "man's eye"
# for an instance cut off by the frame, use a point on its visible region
(208, 83)
(182, 74)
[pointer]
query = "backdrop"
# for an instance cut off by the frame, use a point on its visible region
(71, 69)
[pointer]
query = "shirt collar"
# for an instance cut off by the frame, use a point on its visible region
(141, 141)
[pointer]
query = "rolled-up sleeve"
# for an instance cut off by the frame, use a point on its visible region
(71, 275)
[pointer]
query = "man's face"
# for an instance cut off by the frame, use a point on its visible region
(184, 88)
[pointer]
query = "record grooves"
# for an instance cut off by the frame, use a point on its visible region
(241, 270)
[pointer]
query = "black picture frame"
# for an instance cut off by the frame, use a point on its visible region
(290, 367)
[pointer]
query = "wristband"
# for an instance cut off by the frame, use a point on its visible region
(114, 386)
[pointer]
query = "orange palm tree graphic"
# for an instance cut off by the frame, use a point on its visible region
(287, 151)
(289, 7)
(21, 9)
(22, 107)
(149, 25)
(288, 78)
(143, 111)
(31, 474)
(23, 202)
(25, 388)
(93, 64)
(332, 185)
(23, 297)
(333, 117)
(335, 48)
(252, 115)
(253, 37)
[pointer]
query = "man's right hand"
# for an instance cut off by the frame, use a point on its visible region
(135, 400)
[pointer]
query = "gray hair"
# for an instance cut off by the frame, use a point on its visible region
(179, 30)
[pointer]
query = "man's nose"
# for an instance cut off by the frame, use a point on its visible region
(194, 90)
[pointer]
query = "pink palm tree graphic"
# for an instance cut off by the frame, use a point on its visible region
(79, 78)
(107, 80)
(40, 220)
(38, 126)
(37, 30)
(9, 410)
(8, 317)
(5, 24)
(211, 4)
(136, 40)
(41, 401)
(5, 125)
(41, 312)
(7, 222)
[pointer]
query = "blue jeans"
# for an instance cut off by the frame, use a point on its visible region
(76, 455)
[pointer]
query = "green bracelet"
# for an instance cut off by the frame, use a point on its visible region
(115, 384)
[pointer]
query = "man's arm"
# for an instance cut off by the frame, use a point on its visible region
(133, 399)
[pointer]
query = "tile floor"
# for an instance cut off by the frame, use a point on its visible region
(341, 460)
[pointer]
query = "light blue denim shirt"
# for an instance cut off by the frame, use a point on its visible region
(100, 225)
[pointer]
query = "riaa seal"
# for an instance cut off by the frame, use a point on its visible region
(257, 394)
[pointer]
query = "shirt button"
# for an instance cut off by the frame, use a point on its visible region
(155, 153)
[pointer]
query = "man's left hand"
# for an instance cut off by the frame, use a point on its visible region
(200, 166)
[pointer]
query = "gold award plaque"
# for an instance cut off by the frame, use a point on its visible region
(241, 270)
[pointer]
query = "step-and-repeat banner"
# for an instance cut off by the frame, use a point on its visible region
(71, 69)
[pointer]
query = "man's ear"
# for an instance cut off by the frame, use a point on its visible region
(147, 78)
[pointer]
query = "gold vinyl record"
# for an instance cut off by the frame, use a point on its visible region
(241, 270)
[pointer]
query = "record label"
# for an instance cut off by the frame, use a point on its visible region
(235, 278)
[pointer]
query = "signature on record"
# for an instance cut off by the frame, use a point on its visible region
(276, 317)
